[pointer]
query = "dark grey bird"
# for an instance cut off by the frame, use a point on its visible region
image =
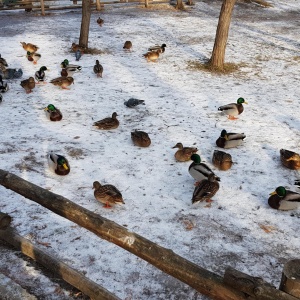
(132, 102)
(78, 55)
(3, 61)
(3, 86)
(11, 73)
(98, 69)
(0, 98)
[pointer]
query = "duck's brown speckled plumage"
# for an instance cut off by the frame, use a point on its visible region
(290, 159)
(222, 160)
(140, 138)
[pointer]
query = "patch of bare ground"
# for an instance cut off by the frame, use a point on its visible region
(259, 2)
(163, 6)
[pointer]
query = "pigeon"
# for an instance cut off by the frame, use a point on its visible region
(12, 73)
(132, 102)
(77, 55)
(3, 86)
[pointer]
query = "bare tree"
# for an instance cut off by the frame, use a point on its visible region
(218, 54)
(85, 23)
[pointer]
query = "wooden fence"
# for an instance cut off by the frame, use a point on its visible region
(234, 286)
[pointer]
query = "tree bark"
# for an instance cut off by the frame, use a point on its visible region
(254, 287)
(68, 274)
(85, 23)
(164, 259)
(5, 220)
(218, 54)
(290, 281)
(147, 3)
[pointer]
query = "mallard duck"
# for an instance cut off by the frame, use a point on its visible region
(127, 45)
(98, 69)
(184, 153)
(76, 47)
(283, 199)
(11, 73)
(222, 160)
(3, 86)
(140, 138)
(297, 182)
(40, 74)
(63, 82)
(100, 22)
(108, 123)
(107, 194)
(3, 61)
(65, 64)
(233, 109)
(33, 57)
(77, 55)
(68, 72)
(132, 102)
(290, 159)
(58, 164)
(206, 189)
(28, 84)
(151, 56)
(53, 113)
(29, 47)
(230, 140)
(160, 49)
(200, 171)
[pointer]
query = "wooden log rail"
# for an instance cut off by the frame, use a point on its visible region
(68, 274)
(202, 280)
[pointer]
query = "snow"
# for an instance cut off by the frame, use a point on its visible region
(181, 106)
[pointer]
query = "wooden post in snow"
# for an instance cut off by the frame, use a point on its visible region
(42, 7)
(98, 5)
(290, 281)
(202, 280)
(68, 274)
(254, 287)
(5, 220)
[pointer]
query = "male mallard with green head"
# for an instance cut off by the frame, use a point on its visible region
(206, 189)
(33, 57)
(58, 164)
(184, 153)
(230, 139)
(108, 123)
(65, 65)
(160, 49)
(283, 199)
(28, 84)
(140, 138)
(40, 74)
(290, 159)
(222, 160)
(233, 109)
(63, 82)
(200, 171)
(53, 113)
(107, 194)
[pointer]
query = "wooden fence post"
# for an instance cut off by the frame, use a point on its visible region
(42, 7)
(98, 5)
(290, 280)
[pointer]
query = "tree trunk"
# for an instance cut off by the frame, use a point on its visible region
(179, 5)
(85, 23)
(218, 54)
(146, 3)
(290, 281)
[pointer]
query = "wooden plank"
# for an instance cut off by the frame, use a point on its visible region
(59, 268)
(204, 281)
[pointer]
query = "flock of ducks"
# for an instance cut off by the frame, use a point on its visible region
(207, 182)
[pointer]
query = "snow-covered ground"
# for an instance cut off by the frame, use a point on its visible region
(239, 229)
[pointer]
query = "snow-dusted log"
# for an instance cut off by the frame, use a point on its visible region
(290, 281)
(254, 287)
(164, 259)
(5, 220)
(68, 274)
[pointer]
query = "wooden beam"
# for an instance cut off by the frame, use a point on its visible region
(59, 268)
(290, 281)
(5, 220)
(164, 259)
(254, 287)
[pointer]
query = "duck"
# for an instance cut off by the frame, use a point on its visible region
(12, 73)
(140, 138)
(58, 164)
(76, 47)
(63, 82)
(28, 84)
(184, 153)
(53, 113)
(29, 47)
(200, 171)
(132, 102)
(107, 194)
(68, 72)
(283, 199)
(33, 57)
(40, 74)
(108, 123)
(3, 86)
(65, 64)
(160, 49)
(233, 109)
(206, 189)
(297, 183)
(98, 69)
(3, 62)
(151, 56)
(222, 160)
(290, 159)
(100, 22)
(77, 55)
(127, 45)
(230, 139)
